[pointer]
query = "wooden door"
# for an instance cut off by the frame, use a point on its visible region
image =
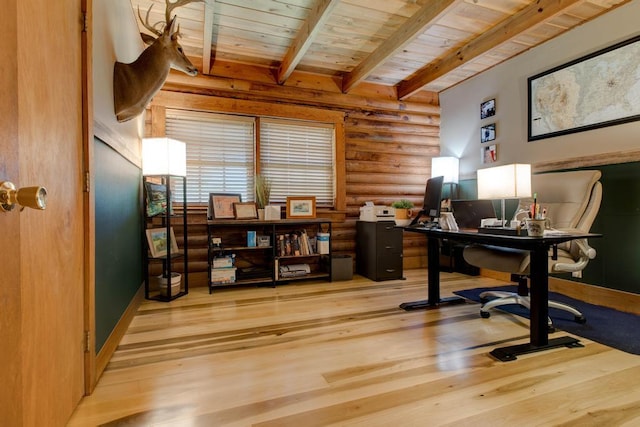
(42, 274)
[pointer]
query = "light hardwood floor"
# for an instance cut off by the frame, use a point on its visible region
(344, 354)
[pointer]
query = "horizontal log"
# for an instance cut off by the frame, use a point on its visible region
(369, 125)
(408, 161)
(393, 190)
(356, 134)
(395, 147)
(376, 178)
(394, 117)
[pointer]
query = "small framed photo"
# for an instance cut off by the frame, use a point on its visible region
(489, 154)
(156, 199)
(488, 133)
(246, 210)
(488, 109)
(301, 207)
(221, 205)
(157, 240)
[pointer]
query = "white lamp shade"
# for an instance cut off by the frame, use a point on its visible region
(448, 167)
(164, 156)
(505, 182)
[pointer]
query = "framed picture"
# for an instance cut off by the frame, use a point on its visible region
(488, 109)
(594, 91)
(221, 205)
(157, 240)
(246, 210)
(489, 153)
(488, 133)
(156, 199)
(301, 207)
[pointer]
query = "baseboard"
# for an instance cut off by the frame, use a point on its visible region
(598, 295)
(112, 342)
(612, 298)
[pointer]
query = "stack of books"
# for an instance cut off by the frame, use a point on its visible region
(297, 243)
(223, 270)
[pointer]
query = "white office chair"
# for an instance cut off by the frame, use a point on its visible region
(572, 200)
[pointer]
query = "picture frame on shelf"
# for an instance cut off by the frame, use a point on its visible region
(246, 210)
(488, 108)
(157, 241)
(156, 199)
(301, 207)
(221, 205)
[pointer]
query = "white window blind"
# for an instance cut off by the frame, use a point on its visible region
(298, 159)
(220, 152)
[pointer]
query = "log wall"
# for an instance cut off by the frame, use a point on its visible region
(388, 145)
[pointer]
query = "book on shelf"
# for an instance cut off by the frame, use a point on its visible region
(296, 243)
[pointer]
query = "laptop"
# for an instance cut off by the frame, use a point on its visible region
(469, 213)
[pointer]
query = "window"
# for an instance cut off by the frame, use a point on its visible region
(298, 159)
(222, 154)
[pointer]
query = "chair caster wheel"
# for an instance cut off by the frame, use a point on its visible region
(580, 319)
(484, 300)
(485, 314)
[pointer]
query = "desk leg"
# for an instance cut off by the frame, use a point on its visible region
(433, 287)
(538, 329)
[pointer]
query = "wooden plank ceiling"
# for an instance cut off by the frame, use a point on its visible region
(411, 45)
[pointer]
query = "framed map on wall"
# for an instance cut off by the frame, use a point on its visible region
(596, 90)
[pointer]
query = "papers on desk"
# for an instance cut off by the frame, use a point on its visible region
(554, 232)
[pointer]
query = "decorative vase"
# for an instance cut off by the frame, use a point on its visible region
(403, 216)
(261, 214)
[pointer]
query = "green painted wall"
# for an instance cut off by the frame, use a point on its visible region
(118, 237)
(617, 264)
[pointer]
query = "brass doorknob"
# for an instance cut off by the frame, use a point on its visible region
(31, 197)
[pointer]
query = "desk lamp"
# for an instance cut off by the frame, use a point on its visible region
(448, 167)
(504, 182)
(164, 156)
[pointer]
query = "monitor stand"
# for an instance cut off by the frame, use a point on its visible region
(432, 223)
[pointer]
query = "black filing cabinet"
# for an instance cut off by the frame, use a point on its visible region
(379, 250)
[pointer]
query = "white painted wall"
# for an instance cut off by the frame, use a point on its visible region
(507, 83)
(115, 37)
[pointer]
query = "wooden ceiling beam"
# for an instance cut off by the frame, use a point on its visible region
(532, 15)
(207, 34)
(415, 26)
(305, 37)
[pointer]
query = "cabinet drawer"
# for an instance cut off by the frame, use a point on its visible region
(389, 267)
(387, 232)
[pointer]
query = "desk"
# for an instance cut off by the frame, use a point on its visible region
(539, 275)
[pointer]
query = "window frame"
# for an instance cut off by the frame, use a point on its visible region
(203, 103)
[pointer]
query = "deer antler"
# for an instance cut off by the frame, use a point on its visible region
(145, 22)
(167, 14)
(175, 4)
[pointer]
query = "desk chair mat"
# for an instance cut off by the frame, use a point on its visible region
(604, 325)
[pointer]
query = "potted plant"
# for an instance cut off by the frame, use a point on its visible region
(403, 211)
(263, 192)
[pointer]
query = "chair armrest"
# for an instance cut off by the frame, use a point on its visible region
(585, 253)
(585, 249)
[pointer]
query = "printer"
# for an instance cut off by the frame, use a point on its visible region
(372, 213)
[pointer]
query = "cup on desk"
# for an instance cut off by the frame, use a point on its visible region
(535, 227)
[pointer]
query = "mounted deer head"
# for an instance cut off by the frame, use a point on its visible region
(136, 83)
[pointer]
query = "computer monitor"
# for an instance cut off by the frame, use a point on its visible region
(432, 200)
